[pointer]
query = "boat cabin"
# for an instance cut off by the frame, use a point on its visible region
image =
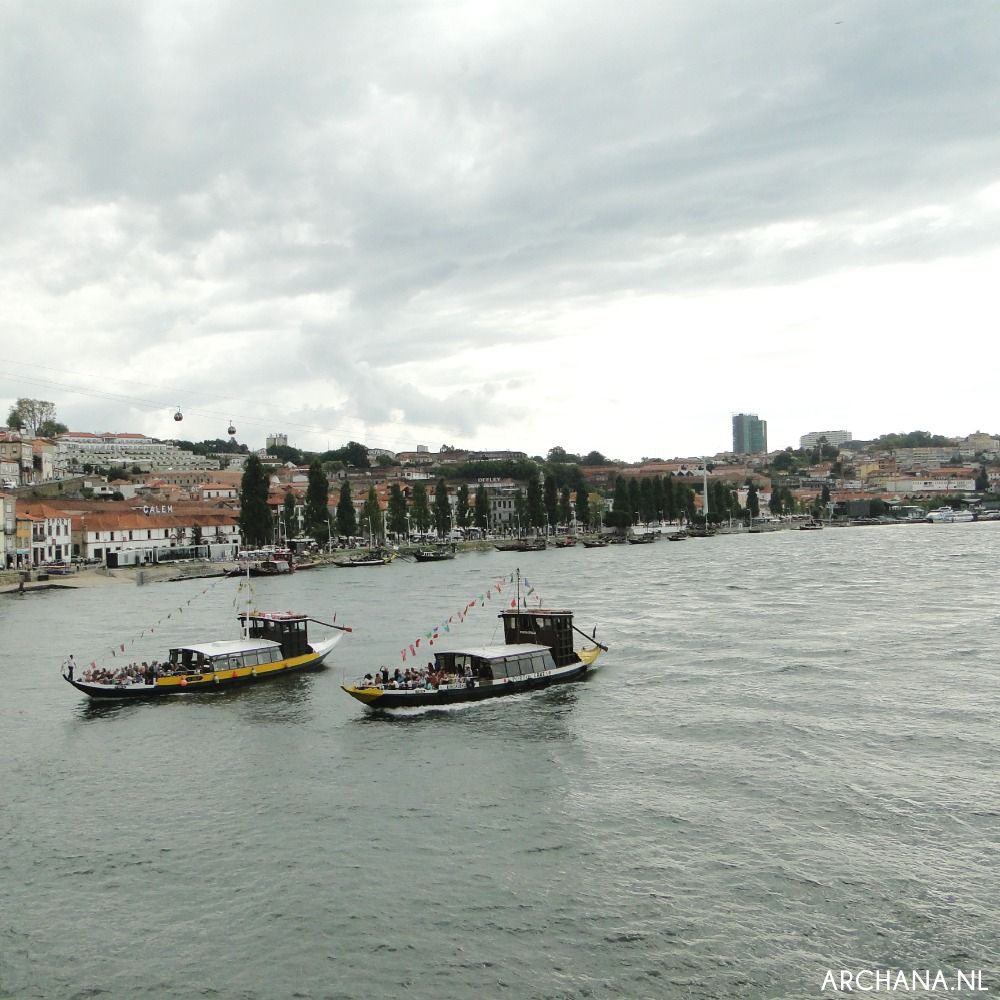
(287, 628)
(490, 664)
(210, 657)
(553, 629)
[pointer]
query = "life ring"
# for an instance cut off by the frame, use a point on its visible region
(184, 682)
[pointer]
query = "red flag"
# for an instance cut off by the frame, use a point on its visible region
(413, 652)
(418, 643)
(513, 602)
(403, 653)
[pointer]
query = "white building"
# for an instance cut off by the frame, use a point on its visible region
(836, 438)
(943, 485)
(51, 533)
(143, 535)
(77, 449)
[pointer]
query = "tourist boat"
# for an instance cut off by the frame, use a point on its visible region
(947, 515)
(269, 561)
(642, 538)
(521, 545)
(595, 543)
(273, 644)
(565, 543)
(677, 536)
(436, 554)
(811, 526)
(368, 557)
(537, 653)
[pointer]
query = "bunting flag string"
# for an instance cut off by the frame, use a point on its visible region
(433, 633)
(151, 629)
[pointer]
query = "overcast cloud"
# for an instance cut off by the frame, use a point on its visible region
(595, 225)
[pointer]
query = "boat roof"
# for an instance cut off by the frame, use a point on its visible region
(227, 647)
(498, 652)
(274, 616)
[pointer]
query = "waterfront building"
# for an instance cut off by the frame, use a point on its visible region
(51, 533)
(836, 438)
(8, 530)
(153, 533)
(749, 434)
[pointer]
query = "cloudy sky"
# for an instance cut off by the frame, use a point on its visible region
(597, 225)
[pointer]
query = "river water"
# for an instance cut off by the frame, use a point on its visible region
(787, 764)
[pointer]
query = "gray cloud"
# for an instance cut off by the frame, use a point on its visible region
(383, 185)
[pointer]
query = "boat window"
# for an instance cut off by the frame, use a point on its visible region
(275, 654)
(513, 665)
(537, 662)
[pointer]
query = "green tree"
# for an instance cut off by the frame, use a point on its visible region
(633, 500)
(565, 512)
(255, 515)
(774, 503)
(647, 506)
(583, 508)
(317, 506)
(753, 503)
(551, 502)
(29, 415)
(482, 508)
(397, 510)
(594, 458)
(658, 497)
(288, 519)
(347, 517)
(462, 512)
(442, 509)
(620, 516)
(520, 510)
(420, 511)
(371, 516)
(824, 495)
(536, 506)
(671, 507)
(982, 480)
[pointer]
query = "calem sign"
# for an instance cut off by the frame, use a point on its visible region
(162, 509)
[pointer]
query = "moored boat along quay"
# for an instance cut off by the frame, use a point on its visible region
(76, 576)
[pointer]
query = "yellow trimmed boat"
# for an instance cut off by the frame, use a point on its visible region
(537, 653)
(273, 644)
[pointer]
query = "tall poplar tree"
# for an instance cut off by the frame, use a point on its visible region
(288, 518)
(633, 500)
(317, 512)
(420, 512)
(647, 507)
(397, 510)
(482, 508)
(462, 511)
(442, 509)
(347, 518)
(565, 510)
(371, 516)
(255, 521)
(536, 507)
(582, 507)
(620, 516)
(670, 504)
(551, 502)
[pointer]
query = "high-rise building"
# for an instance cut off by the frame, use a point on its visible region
(749, 434)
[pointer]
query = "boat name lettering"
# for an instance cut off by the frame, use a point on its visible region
(158, 509)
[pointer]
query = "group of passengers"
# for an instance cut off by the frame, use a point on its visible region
(413, 678)
(133, 673)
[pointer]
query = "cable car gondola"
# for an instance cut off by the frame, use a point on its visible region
(178, 416)
(232, 429)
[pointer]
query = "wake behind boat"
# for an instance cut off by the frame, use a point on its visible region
(273, 644)
(537, 652)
